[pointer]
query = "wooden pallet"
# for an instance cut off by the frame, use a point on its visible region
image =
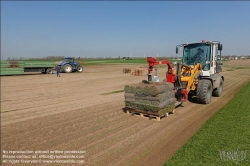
(145, 114)
(151, 115)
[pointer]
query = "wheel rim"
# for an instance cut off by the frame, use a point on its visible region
(67, 69)
(80, 69)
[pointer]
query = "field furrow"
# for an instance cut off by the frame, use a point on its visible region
(43, 112)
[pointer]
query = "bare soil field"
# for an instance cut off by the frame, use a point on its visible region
(45, 112)
(237, 63)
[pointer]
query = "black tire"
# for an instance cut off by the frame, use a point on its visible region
(79, 69)
(61, 69)
(204, 91)
(49, 71)
(44, 72)
(218, 91)
(67, 68)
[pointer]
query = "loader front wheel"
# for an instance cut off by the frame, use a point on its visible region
(204, 91)
(218, 91)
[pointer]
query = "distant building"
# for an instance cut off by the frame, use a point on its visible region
(243, 57)
(126, 58)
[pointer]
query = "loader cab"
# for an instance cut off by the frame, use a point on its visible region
(197, 53)
(205, 53)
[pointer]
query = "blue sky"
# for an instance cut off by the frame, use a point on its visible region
(120, 28)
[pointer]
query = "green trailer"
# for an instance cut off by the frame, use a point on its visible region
(20, 67)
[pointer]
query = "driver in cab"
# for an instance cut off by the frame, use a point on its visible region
(199, 57)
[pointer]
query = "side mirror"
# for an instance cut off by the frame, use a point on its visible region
(220, 47)
(176, 50)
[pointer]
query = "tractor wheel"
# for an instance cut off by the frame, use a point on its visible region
(44, 72)
(79, 69)
(204, 91)
(67, 68)
(61, 69)
(218, 92)
(49, 71)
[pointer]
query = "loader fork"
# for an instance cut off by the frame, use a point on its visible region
(178, 85)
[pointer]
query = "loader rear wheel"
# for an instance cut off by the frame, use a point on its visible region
(218, 92)
(204, 91)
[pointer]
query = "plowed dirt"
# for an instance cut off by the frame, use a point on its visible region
(45, 112)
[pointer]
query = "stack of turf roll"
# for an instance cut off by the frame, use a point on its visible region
(157, 98)
(126, 70)
(138, 72)
(11, 67)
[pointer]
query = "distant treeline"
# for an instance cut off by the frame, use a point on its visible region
(58, 58)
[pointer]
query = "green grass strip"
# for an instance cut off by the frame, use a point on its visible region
(223, 140)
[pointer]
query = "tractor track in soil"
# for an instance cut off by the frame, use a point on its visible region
(168, 148)
(95, 123)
